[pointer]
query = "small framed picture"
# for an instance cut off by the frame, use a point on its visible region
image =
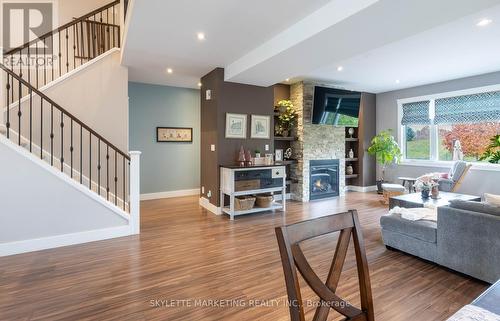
(278, 155)
(261, 127)
(236, 125)
(174, 135)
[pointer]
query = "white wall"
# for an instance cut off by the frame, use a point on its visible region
(69, 9)
(37, 203)
(98, 96)
(477, 181)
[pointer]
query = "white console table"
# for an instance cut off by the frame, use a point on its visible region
(272, 180)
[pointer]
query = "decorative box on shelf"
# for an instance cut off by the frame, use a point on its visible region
(254, 180)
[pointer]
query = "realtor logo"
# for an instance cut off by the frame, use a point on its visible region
(24, 22)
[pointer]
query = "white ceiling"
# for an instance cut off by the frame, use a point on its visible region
(263, 42)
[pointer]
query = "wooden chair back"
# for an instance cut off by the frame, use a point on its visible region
(293, 258)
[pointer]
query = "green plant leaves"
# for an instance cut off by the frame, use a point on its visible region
(385, 148)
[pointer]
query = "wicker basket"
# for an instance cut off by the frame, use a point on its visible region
(244, 203)
(264, 200)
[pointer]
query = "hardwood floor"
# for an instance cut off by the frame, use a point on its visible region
(187, 256)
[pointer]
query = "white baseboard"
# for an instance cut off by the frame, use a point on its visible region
(362, 189)
(170, 194)
(205, 203)
(50, 242)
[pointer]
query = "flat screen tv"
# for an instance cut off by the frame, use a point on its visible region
(336, 107)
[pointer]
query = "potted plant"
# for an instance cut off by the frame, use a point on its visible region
(257, 153)
(427, 183)
(492, 153)
(286, 117)
(386, 151)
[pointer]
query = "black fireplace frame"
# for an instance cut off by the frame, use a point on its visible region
(323, 164)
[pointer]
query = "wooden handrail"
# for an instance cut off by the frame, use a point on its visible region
(63, 27)
(57, 106)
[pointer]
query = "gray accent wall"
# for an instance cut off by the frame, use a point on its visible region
(477, 181)
(165, 166)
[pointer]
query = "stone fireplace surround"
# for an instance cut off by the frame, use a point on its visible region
(314, 142)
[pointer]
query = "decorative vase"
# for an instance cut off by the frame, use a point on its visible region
(425, 193)
(349, 170)
(351, 131)
(257, 155)
(435, 192)
(241, 157)
(351, 153)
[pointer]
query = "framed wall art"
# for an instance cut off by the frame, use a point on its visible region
(260, 127)
(174, 135)
(236, 125)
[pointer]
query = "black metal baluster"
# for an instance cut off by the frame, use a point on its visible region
(59, 53)
(116, 179)
(101, 42)
(51, 135)
(36, 63)
(99, 167)
(90, 160)
(19, 113)
(67, 51)
(7, 124)
(82, 45)
(81, 154)
(114, 43)
(108, 37)
(52, 57)
(44, 66)
(87, 24)
(94, 38)
(41, 128)
(74, 46)
(124, 183)
(107, 172)
(62, 142)
(71, 147)
(29, 65)
(31, 120)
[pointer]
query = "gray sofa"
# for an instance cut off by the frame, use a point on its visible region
(466, 238)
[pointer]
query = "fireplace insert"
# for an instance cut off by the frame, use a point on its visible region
(323, 179)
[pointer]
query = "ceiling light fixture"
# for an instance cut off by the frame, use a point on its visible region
(397, 81)
(340, 68)
(169, 70)
(199, 84)
(287, 80)
(201, 36)
(484, 22)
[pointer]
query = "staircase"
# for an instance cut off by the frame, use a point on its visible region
(39, 125)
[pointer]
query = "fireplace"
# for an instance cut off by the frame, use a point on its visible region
(323, 178)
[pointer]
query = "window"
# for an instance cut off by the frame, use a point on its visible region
(450, 127)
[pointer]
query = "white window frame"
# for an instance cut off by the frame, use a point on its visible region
(434, 146)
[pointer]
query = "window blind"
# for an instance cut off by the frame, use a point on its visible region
(416, 113)
(482, 107)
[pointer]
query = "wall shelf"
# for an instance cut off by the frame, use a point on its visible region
(351, 176)
(351, 139)
(287, 162)
(279, 138)
(351, 159)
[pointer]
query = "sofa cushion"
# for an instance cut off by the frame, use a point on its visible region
(422, 230)
(475, 207)
(492, 199)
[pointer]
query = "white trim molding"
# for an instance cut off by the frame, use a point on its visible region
(361, 189)
(205, 203)
(51, 242)
(170, 194)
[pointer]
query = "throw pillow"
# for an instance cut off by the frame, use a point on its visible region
(475, 207)
(492, 199)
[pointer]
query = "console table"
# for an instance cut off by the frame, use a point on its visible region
(264, 179)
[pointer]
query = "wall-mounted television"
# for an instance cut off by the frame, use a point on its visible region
(336, 107)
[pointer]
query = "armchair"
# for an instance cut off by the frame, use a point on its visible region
(455, 177)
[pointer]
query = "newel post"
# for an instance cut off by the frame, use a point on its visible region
(135, 192)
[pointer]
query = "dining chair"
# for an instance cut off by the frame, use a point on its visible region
(293, 259)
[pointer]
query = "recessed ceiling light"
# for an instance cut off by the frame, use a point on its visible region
(201, 36)
(340, 68)
(397, 81)
(169, 70)
(199, 84)
(288, 79)
(484, 22)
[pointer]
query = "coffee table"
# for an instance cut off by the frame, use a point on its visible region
(415, 199)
